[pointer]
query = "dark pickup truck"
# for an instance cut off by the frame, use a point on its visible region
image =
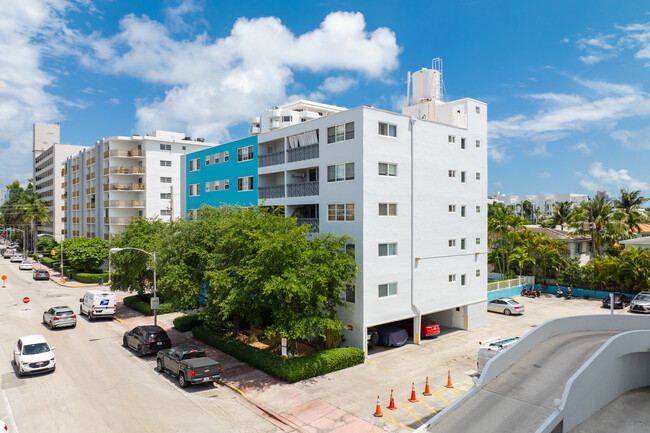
(190, 364)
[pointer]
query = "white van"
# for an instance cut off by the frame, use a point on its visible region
(487, 352)
(98, 303)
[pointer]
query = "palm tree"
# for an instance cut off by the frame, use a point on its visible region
(34, 211)
(561, 214)
(629, 210)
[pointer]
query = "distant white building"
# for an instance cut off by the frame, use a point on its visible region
(120, 178)
(49, 154)
(542, 201)
(290, 114)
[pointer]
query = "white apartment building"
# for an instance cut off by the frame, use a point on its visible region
(542, 201)
(49, 154)
(120, 178)
(409, 189)
(290, 114)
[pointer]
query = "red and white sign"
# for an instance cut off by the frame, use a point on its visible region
(25, 300)
(4, 277)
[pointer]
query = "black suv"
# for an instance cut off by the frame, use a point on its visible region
(146, 339)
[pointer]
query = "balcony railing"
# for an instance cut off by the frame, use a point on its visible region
(123, 153)
(124, 170)
(271, 159)
(124, 187)
(124, 203)
(275, 191)
(302, 189)
(117, 220)
(313, 222)
(302, 153)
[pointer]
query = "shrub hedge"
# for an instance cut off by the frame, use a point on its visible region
(142, 304)
(294, 369)
(186, 323)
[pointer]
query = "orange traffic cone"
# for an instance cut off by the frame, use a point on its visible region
(449, 385)
(413, 398)
(391, 405)
(378, 410)
(427, 391)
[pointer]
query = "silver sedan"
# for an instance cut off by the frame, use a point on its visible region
(57, 317)
(506, 306)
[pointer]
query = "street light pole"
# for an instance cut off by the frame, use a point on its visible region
(155, 312)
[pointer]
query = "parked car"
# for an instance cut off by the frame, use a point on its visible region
(506, 306)
(98, 303)
(146, 339)
(26, 265)
(428, 328)
(16, 258)
(620, 301)
(641, 303)
(390, 335)
(32, 354)
(373, 337)
(190, 364)
(41, 274)
(56, 317)
(489, 351)
(8, 253)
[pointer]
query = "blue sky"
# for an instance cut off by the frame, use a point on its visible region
(566, 82)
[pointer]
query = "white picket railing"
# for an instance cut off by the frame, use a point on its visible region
(514, 282)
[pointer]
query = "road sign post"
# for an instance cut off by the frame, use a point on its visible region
(155, 303)
(4, 280)
(25, 300)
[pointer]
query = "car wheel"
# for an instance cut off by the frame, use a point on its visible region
(159, 366)
(74, 326)
(20, 371)
(140, 351)
(507, 312)
(182, 382)
(90, 316)
(124, 343)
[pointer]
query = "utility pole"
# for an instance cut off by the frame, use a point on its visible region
(171, 196)
(591, 225)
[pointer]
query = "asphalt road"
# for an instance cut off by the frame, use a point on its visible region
(98, 385)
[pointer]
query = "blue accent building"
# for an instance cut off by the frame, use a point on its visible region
(223, 174)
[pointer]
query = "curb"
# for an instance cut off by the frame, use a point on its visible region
(72, 285)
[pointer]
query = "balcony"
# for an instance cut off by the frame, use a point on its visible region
(275, 191)
(302, 153)
(118, 220)
(254, 130)
(270, 159)
(302, 189)
(313, 222)
(124, 187)
(123, 153)
(124, 170)
(123, 203)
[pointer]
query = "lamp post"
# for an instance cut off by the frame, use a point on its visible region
(153, 255)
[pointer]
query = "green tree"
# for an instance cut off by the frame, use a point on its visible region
(85, 255)
(46, 245)
(561, 214)
(628, 210)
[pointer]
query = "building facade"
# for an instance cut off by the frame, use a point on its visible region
(119, 178)
(544, 202)
(290, 114)
(49, 154)
(411, 191)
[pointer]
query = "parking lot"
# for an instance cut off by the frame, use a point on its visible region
(355, 390)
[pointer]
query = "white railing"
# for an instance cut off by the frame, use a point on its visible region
(507, 284)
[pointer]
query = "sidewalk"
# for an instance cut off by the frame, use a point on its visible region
(282, 403)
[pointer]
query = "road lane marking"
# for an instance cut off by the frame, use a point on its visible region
(430, 408)
(412, 414)
(380, 366)
(11, 414)
(454, 389)
(390, 418)
(464, 339)
(446, 402)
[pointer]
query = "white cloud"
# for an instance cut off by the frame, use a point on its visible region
(539, 150)
(599, 177)
(581, 147)
(544, 175)
(591, 59)
(633, 139)
(215, 84)
(497, 153)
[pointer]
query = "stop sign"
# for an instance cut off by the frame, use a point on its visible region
(25, 300)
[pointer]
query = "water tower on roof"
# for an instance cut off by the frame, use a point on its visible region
(425, 91)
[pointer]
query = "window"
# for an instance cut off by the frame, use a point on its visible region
(452, 243)
(195, 164)
(389, 289)
(387, 209)
(452, 173)
(342, 132)
(245, 183)
(462, 243)
(287, 118)
(387, 129)
(578, 247)
(165, 180)
(478, 241)
(452, 278)
(340, 212)
(226, 156)
(164, 163)
(244, 153)
(349, 249)
(165, 195)
(478, 143)
(462, 279)
(349, 293)
(387, 169)
(462, 143)
(387, 249)
(452, 208)
(165, 212)
(478, 272)
(195, 189)
(165, 146)
(340, 172)
(226, 184)
(478, 209)
(478, 176)
(462, 211)
(451, 138)
(478, 110)
(462, 177)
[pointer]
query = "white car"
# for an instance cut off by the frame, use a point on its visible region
(489, 351)
(506, 306)
(25, 266)
(32, 354)
(16, 258)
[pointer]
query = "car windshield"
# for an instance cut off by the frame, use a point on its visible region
(643, 297)
(65, 313)
(34, 349)
(157, 337)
